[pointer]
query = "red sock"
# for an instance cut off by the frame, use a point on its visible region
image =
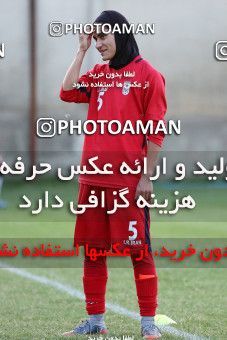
(146, 284)
(94, 281)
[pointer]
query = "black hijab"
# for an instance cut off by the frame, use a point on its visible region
(126, 46)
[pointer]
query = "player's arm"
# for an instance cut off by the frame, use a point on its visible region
(154, 102)
(145, 185)
(73, 73)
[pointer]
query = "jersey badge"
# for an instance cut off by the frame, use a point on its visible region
(126, 88)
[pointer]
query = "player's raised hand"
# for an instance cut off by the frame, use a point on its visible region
(73, 72)
(84, 41)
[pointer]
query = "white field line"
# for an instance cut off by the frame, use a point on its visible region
(79, 295)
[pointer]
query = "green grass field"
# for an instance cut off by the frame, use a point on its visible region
(194, 297)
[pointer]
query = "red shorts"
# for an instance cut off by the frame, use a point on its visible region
(127, 227)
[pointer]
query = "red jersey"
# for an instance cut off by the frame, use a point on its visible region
(122, 101)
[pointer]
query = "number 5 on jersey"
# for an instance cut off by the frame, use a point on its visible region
(100, 100)
(132, 229)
